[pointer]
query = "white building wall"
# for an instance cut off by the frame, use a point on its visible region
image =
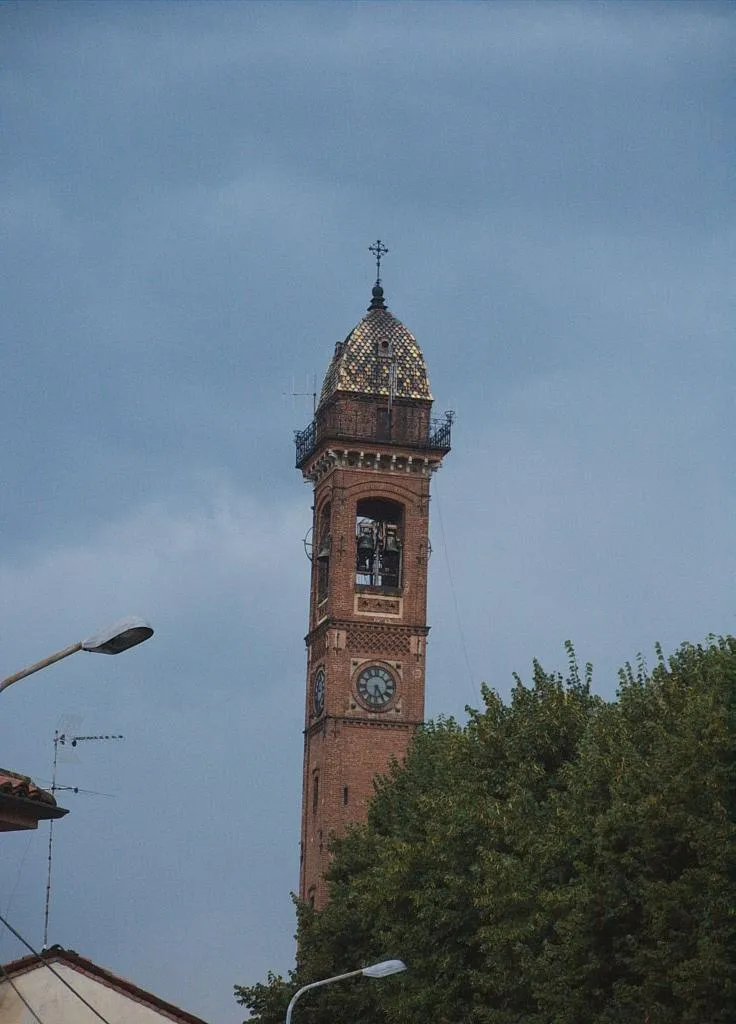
(55, 1004)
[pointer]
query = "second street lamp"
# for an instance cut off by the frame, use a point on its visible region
(380, 970)
(113, 640)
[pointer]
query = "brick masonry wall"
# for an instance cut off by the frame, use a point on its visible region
(359, 416)
(346, 757)
(349, 744)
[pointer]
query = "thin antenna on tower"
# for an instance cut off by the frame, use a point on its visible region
(391, 382)
(61, 739)
(307, 394)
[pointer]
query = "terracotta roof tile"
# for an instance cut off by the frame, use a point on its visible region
(13, 784)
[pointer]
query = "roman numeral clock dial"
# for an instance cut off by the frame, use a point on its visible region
(318, 693)
(376, 687)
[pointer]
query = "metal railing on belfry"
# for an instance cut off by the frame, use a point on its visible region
(437, 438)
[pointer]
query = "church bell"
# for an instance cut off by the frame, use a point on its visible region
(391, 545)
(390, 557)
(366, 549)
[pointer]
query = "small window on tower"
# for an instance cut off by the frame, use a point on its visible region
(385, 348)
(322, 553)
(310, 896)
(345, 796)
(315, 792)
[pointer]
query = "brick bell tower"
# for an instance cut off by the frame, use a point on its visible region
(369, 454)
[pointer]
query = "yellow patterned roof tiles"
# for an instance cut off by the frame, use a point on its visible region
(363, 362)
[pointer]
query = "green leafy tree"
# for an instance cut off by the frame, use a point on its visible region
(645, 925)
(557, 859)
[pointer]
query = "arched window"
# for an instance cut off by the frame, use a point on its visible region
(322, 552)
(378, 541)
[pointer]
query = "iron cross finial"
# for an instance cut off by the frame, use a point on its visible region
(379, 250)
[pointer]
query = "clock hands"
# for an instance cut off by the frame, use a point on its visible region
(376, 686)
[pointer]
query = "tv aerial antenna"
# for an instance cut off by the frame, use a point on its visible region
(310, 392)
(64, 739)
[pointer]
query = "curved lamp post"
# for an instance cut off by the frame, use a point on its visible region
(381, 970)
(113, 640)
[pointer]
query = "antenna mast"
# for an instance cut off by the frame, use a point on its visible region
(308, 394)
(60, 739)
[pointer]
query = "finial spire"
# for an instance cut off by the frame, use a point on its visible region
(379, 250)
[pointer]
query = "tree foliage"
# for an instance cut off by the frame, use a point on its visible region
(557, 860)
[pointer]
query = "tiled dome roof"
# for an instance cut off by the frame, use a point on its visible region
(363, 362)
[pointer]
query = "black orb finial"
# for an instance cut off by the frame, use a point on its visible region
(377, 300)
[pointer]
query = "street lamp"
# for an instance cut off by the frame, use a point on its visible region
(381, 970)
(113, 640)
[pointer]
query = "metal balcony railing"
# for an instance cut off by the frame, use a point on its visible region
(440, 432)
(306, 442)
(438, 436)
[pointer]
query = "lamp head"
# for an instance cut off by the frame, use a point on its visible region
(119, 637)
(385, 968)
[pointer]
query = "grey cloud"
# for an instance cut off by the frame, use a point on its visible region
(188, 192)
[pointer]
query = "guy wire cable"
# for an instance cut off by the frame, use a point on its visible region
(14, 890)
(56, 974)
(20, 994)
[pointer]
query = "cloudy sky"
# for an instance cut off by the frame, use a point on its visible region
(188, 193)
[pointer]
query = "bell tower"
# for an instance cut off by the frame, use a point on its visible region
(369, 454)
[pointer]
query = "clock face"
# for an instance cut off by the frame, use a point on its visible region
(376, 687)
(318, 693)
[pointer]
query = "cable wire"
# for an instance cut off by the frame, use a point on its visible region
(56, 974)
(14, 890)
(20, 994)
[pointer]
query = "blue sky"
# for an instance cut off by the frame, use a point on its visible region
(188, 193)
